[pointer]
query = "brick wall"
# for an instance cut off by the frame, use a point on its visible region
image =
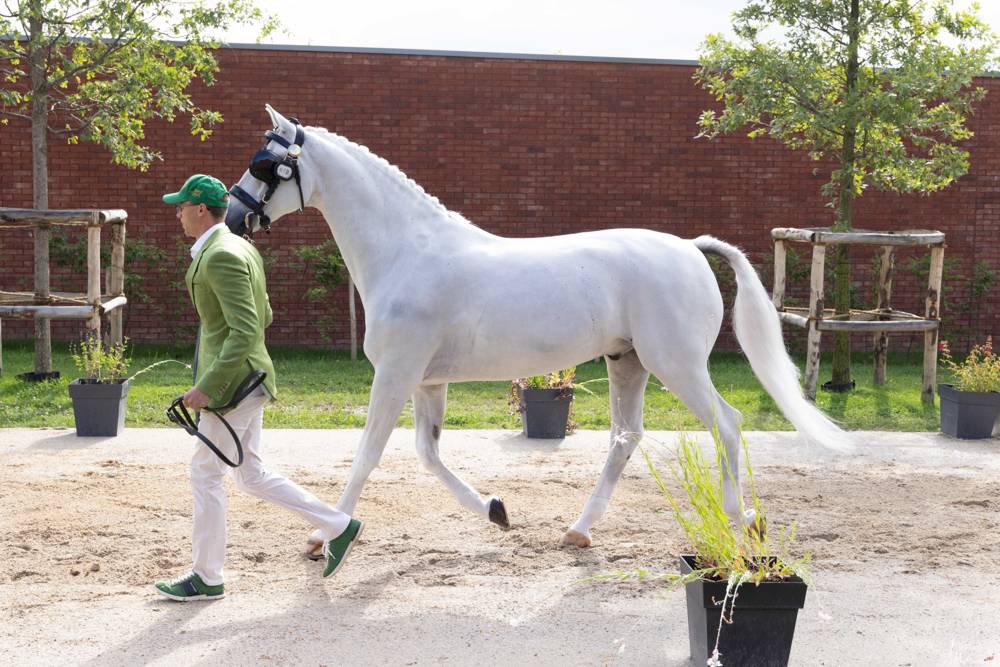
(521, 147)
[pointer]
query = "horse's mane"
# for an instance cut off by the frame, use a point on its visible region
(391, 169)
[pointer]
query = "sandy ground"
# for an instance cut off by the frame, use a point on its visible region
(905, 536)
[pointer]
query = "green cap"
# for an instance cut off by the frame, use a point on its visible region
(200, 189)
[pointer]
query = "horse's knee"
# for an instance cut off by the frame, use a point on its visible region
(623, 444)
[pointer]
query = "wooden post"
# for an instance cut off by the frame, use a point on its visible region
(116, 280)
(886, 266)
(778, 294)
(94, 274)
(815, 317)
(354, 317)
(1, 348)
(931, 313)
(43, 331)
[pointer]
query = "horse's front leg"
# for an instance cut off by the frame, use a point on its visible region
(393, 384)
(390, 389)
(428, 413)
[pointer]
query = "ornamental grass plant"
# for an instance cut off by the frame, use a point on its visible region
(723, 551)
(735, 554)
(750, 552)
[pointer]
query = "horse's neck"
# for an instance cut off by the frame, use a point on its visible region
(378, 217)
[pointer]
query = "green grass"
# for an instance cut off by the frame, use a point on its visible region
(324, 389)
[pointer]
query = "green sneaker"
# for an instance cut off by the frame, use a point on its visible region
(189, 587)
(336, 550)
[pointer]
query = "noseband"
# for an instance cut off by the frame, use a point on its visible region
(272, 170)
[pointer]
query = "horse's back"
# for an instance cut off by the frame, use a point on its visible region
(556, 301)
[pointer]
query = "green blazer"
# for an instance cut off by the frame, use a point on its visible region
(227, 287)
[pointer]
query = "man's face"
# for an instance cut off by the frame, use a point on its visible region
(191, 217)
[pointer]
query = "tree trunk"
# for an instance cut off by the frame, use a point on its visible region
(841, 367)
(40, 182)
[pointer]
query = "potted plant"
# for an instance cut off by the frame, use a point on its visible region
(100, 396)
(543, 401)
(970, 406)
(743, 588)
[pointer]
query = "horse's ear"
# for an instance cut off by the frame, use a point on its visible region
(276, 117)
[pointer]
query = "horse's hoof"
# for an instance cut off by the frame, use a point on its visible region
(498, 514)
(576, 539)
(314, 546)
(314, 550)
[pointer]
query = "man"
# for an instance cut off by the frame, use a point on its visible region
(227, 287)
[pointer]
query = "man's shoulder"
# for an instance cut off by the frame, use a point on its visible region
(233, 245)
(228, 239)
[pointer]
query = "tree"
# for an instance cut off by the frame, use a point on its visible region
(97, 71)
(879, 88)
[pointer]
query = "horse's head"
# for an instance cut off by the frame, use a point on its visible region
(272, 186)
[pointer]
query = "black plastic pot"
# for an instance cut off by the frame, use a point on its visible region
(968, 414)
(545, 412)
(38, 377)
(99, 408)
(763, 620)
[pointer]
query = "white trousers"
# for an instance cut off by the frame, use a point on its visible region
(208, 472)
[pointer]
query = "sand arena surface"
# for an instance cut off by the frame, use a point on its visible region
(905, 537)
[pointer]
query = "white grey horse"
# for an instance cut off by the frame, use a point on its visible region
(446, 301)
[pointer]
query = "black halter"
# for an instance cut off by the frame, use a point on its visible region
(272, 170)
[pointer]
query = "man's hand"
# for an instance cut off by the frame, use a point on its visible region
(196, 399)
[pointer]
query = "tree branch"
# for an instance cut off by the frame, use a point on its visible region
(5, 112)
(25, 30)
(84, 124)
(116, 45)
(11, 13)
(826, 29)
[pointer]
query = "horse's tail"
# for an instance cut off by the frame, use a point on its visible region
(758, 331)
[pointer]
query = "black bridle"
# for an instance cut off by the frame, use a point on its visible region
(178, 414)
(271, 169)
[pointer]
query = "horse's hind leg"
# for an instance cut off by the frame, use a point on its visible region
(428, 409)
(627, 383)
(694, 388)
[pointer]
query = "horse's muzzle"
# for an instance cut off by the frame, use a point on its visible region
(236, 217)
